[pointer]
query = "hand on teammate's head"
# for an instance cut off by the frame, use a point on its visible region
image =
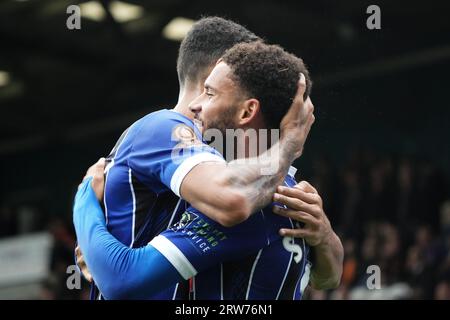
(297, 122)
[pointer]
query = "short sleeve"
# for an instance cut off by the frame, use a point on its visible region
(166, 148)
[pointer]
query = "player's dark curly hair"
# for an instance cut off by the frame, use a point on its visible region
(269, 74)
(205, 43)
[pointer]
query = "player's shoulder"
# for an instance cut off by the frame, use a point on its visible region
(162, 129)
(162, 124)
(165, 117)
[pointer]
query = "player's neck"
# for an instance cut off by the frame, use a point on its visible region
(254, 142)
(186, 96)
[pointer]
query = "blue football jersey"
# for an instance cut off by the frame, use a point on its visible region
(248, 261)
(143, 176)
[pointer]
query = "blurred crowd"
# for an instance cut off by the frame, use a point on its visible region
(390, 212)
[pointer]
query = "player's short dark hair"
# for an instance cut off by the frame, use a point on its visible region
(205, 43)
(269, 74)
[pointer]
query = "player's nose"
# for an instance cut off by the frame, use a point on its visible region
(195, 107)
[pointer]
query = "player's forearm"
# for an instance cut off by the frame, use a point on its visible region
(257, 178)
(230, 193)
(124, 273)
(327, 270)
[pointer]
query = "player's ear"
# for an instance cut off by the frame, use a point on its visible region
(249, 111)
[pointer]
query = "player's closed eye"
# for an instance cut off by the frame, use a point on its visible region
(209, 94)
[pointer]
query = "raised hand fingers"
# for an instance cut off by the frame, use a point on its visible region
(77, 251)
(296, 233)
(306, 187)
(295, 215)
(301, 87)
(96, 169)
(296, 110)
(300, 194)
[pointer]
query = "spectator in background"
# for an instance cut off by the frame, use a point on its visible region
(379, 201)
(406, 195)
(350, 207)
(432, 190)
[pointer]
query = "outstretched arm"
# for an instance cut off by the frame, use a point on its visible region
(119, 272)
